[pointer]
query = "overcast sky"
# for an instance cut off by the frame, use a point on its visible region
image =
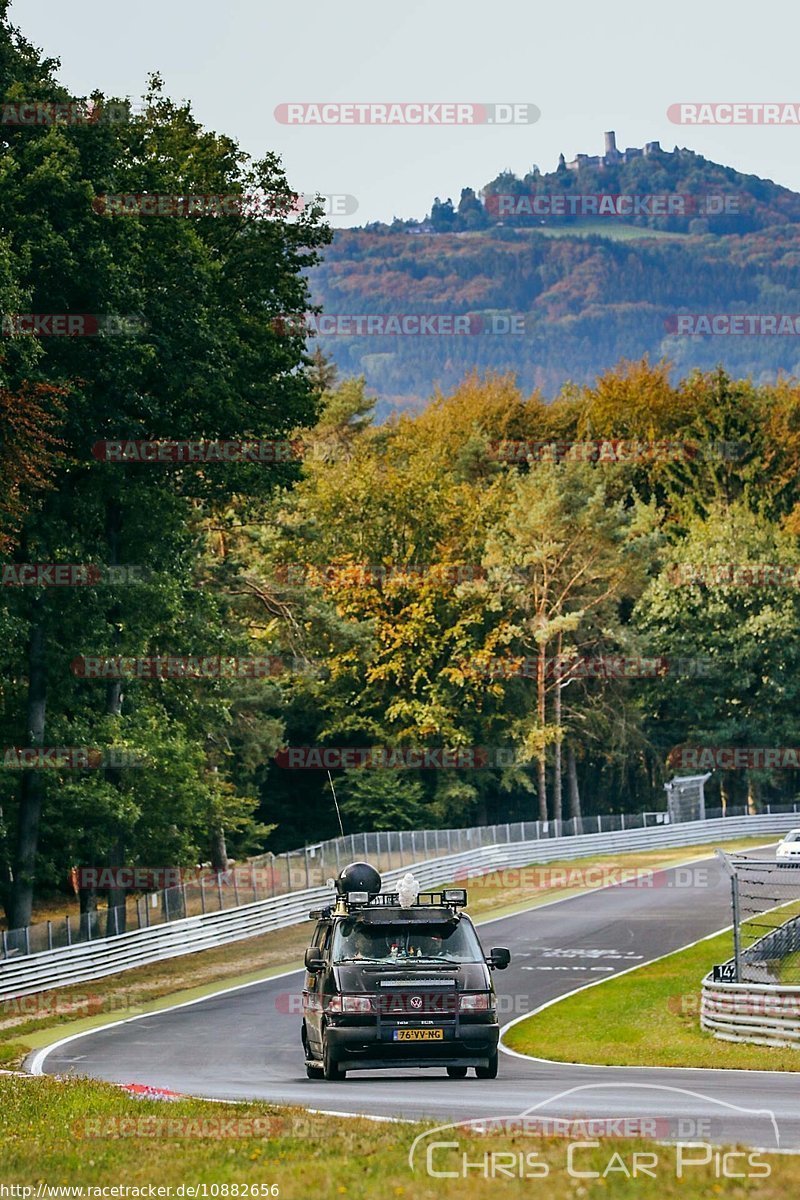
(588, 67)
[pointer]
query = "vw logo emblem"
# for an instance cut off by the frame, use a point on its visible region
(416, 1001)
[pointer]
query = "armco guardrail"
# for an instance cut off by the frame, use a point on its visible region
(93, 960)
(764, 1013)
(198, 891)
(195, 892)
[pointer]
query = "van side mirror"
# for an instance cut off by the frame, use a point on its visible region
(314, 959)
(499, 957)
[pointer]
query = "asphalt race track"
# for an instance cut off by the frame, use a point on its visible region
(245, 1043)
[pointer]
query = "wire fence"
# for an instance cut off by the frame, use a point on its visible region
(200, 890)
(765, 899)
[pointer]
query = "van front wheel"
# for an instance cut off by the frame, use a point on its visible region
(330, 1067)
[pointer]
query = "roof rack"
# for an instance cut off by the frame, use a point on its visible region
(451, 899)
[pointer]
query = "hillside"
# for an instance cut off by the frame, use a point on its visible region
(577, 293)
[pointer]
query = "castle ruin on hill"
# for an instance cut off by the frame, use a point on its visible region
(612, 156)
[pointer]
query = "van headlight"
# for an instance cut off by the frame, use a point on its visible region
(350, 1004)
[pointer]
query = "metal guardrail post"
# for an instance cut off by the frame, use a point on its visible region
(49, 935)
(727, 863)
(737, 935)
(69, 931)
(219, 890)
(5, 943)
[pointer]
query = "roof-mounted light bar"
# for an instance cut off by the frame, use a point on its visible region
(449, 898)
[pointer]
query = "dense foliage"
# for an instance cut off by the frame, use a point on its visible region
(427, 574)
(182, 345)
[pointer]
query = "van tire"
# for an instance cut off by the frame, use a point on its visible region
(330, 1067)
(490, 1071)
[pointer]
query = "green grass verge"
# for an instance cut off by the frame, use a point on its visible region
(647, 1017)
(86, 1134)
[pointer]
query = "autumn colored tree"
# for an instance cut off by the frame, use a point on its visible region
(30, 452)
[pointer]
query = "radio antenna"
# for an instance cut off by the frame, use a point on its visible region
(336, 802)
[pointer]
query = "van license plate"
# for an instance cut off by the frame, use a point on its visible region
(418, 1035)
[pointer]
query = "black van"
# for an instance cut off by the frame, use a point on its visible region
(398, 979)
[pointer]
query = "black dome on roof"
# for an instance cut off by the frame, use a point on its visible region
(358, 877)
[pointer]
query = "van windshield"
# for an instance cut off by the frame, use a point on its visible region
(395, 943)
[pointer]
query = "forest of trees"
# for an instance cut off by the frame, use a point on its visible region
(438, 577)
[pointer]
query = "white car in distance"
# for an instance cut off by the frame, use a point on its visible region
(789, 845)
